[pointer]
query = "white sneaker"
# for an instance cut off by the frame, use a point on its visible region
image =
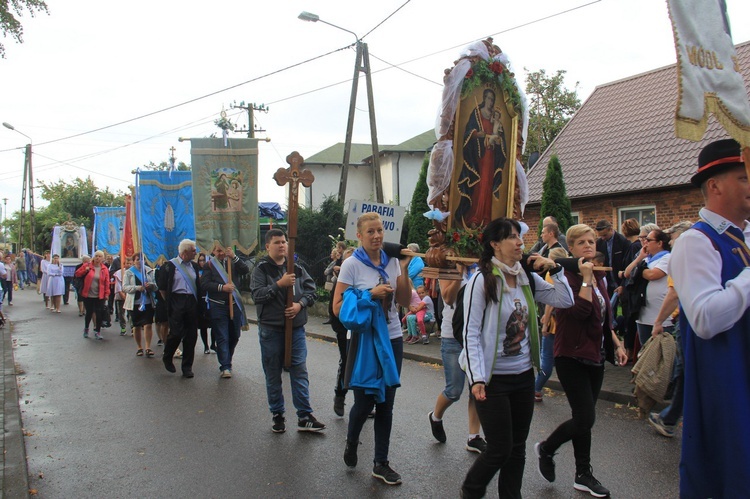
(178, 354)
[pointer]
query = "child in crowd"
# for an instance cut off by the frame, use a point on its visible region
(419, 313)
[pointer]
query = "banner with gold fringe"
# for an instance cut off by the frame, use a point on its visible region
(225, 193)
(708, 72)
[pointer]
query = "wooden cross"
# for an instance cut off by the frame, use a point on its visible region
(292, 176)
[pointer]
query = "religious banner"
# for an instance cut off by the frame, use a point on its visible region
(129, 236)
(225, 193)
(108, 222)
(163, 213)
(708, 72)
(475, 174)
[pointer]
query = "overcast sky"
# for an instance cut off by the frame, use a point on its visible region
(91, 64)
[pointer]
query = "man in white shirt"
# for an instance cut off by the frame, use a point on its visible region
(709, 266)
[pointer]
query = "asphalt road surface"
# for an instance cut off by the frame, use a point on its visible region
(101, 422)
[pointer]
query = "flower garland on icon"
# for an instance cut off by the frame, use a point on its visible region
(466, 242)
(484, 72)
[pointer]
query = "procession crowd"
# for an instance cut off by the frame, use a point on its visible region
(571, 303)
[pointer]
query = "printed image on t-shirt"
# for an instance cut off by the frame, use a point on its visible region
(515, 329)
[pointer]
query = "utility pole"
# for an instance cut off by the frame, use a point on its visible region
(5, 222)
(28, 183)
(250, 108)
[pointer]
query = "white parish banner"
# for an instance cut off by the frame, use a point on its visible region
(392, 217)
(708, 72)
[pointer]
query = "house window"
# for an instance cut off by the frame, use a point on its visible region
(575, 218)
(644, 214)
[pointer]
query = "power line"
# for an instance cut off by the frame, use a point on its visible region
(384, 20)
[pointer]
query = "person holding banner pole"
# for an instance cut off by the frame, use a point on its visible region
(179, 286)
(227, 318)
(139, 286)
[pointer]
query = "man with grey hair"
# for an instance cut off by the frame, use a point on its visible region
(179, 285)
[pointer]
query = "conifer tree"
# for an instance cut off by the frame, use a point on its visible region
(555, 200)
(417, 225)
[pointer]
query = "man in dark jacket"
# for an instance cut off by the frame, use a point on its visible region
(179, 285)
(269, 285)
(219, 287)
(614, 246)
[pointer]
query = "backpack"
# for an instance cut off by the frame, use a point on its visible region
(457, 323)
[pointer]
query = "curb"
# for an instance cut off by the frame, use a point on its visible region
(15, 482)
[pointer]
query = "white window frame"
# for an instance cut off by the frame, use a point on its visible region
(575, 217)
(635, 208)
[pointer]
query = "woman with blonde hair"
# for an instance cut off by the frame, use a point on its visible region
(386, 280)
(139, 285)
(583, 341)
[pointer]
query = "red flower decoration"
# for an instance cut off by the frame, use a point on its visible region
(479, 236)
(496, 67)
(469, 73)
(456, 236)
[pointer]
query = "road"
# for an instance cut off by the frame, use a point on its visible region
(101, 422)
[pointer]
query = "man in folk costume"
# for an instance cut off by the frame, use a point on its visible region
(216, 283)
(709, 266)
(179, 285)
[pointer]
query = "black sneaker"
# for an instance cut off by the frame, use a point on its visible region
(309, 423)
(350, 453)
(476, 444)
(386, 473)
(338, 405)
(437, 429)
(546, 463)
(279, 423)
(587, 483)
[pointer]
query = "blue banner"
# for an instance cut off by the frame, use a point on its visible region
(164, 213)
(108, 224)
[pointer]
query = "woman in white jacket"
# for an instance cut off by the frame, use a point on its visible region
(139, 291)
(501, 348)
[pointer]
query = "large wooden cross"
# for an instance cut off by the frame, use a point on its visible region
(293, 176)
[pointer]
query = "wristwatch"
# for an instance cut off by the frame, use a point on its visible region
(585, 285)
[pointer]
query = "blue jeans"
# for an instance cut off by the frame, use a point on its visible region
(362, 408)
(455, 378)
(548, 362)
(225, 332)
(272, 357)
(22, 279)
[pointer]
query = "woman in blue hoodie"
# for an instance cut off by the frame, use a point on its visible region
(386, 278)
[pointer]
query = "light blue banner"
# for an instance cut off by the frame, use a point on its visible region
(164, 213)
(108, 223)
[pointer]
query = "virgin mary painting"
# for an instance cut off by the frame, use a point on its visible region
(485, 153)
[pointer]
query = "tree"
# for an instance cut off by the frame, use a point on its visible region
(313, 227)
(551, 106)
(416, 224)
(10, 25)
(555, 200)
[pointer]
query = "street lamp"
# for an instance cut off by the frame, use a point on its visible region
(28, 182)
(362, 64)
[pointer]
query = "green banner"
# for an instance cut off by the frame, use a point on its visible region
(225, 193)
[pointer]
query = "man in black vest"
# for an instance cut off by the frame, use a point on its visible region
(179, 285)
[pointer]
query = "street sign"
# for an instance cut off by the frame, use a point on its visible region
(392, 216)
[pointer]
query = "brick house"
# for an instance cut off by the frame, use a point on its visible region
(620, 157)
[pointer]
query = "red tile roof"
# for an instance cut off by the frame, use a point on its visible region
(622, 139)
